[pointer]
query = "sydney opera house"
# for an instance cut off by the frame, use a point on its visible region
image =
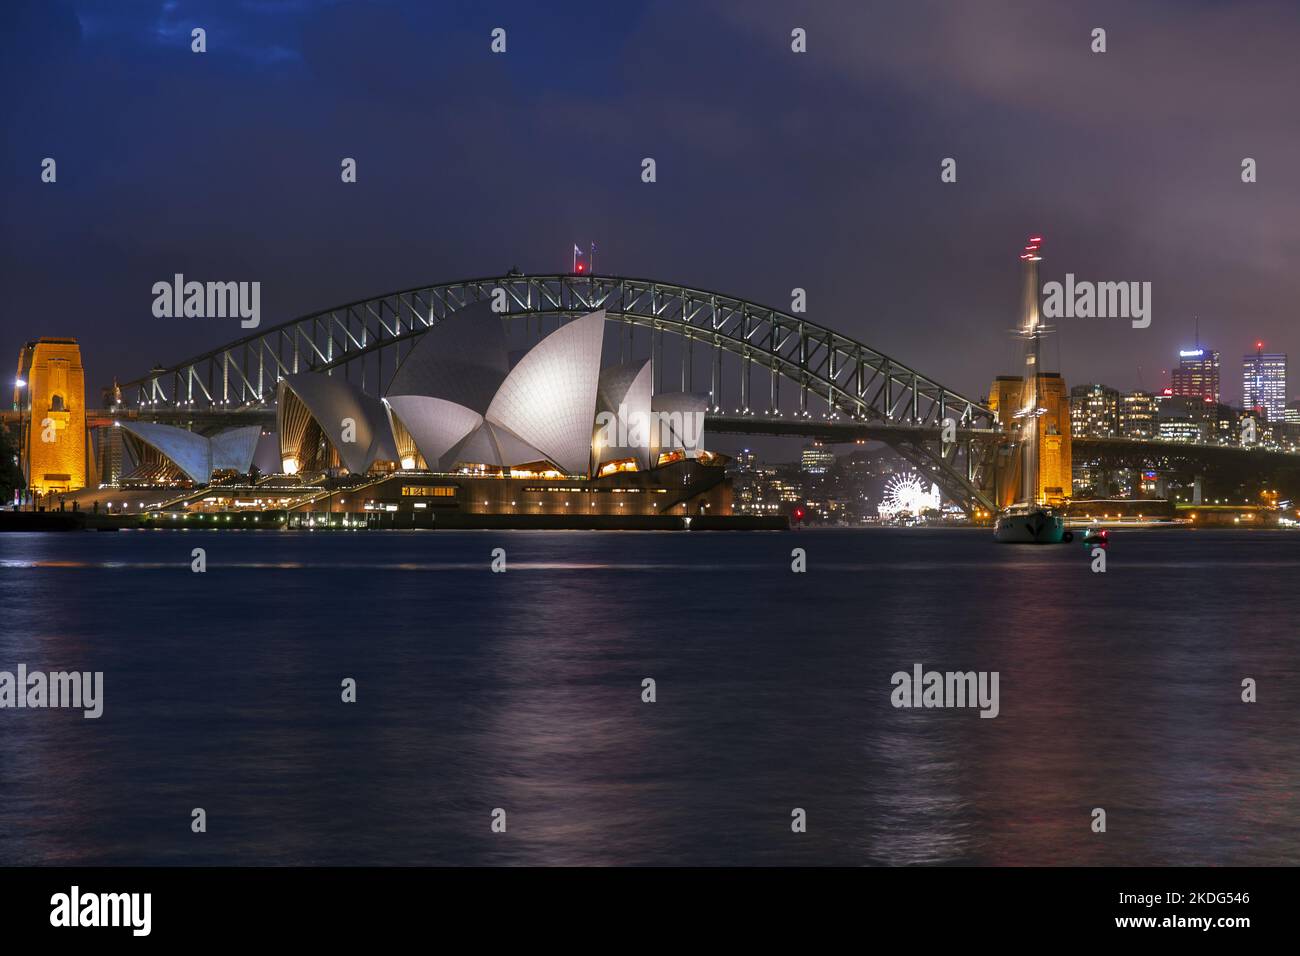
(463, 430)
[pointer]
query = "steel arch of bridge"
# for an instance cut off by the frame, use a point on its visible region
(853, 379)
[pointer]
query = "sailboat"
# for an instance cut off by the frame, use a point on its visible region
(1029, 520)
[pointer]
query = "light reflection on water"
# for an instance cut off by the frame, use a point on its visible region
(522, 691)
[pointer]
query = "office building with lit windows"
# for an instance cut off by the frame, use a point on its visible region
(1138, 412)
(1094, 411)
(1263, 382)
(816, 459)
(1197, 375)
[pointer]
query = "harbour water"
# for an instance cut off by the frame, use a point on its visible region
(523, 691)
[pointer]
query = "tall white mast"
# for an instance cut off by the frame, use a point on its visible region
(1031, 328)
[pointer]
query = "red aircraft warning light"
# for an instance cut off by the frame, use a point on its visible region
(584, 262)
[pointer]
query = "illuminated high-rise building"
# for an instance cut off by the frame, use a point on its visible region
(1094, 411)
(1197, 375)
(1185, 419)
(1137, 415)
(817, 459)
(1263, 382)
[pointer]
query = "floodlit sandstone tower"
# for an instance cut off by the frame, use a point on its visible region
(51, 395)
(1004, 400)
(1055, 454)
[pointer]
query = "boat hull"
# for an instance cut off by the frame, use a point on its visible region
(1035, 527)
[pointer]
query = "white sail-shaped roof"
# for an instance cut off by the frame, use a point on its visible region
(435, 424)
(625, 392)
(492, 445)
(463, 359)
(189, 452)
(339, 407)
(679, 423)
(234, 448)
(549, 398)
(196, 455)
(447, 382)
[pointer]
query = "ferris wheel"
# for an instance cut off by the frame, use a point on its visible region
(907, 494)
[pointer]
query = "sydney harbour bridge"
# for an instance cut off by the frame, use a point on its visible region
(765, 371)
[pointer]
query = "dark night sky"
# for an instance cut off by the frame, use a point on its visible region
(775, 169)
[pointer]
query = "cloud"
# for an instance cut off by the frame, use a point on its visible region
(776, 170)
